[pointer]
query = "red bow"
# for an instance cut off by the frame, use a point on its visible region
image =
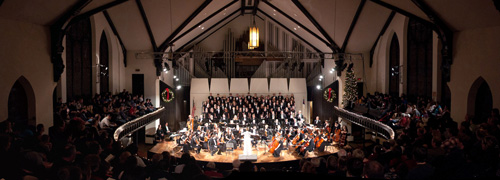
(168, 94)
(329, 93)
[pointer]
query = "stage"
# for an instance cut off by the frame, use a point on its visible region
(263, 156)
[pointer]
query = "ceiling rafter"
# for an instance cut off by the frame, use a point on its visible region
(403, 12)
(113, 28)
(204, 20)
(210, 28)
(146, 24)
(353, 24)
(335, 48)
(255, 7)
(242, 7)
(290, 31)
(444, 33)
(57, 33)
(297, 22)
(95, 11)
(382, 31)
(167, 41)
(215, 30)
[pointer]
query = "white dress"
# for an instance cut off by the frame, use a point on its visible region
(247, 145)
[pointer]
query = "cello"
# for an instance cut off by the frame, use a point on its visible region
(274, 146)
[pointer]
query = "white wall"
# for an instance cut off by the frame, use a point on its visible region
(151, 81)
(25, 51)
(475, 54)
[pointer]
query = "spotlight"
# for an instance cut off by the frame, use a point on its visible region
(175, 76)
(165, 70)
(106, 68)
(320, 79)
(179, 87)
(318, 87)
(320, 76)
(177, 79)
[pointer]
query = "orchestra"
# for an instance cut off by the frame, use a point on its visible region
(271, 120)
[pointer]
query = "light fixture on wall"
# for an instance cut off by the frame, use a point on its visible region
(253, 41)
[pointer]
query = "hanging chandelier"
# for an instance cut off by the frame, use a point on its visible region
(253, 42)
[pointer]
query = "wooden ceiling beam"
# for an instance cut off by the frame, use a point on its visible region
(353, 24)
(290, 31)
(335, 48)
(296, 22)
(204, 20)
(384, 28)
(146, 24)
(167, 41)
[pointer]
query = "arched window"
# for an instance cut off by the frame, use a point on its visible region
(104, 62)
(419, 70)
(394, 67)
(79, 60)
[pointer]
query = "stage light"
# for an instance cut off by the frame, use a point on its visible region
(175, 76)
(177, 79)
(320, 76)
(331, 71)
(320, 79)
(179, 87)
(318, 87)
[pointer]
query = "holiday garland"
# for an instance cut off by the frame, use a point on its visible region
(167, 95)
(329, 95)
(350, 90)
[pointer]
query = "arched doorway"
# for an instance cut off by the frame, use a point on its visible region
(21, 104)
(394, 67)
(480, 100)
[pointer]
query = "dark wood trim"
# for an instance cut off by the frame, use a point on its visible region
(255, 7)
(297, 22)
(113, 28)
(242, 8)
(444, 33)
(216, 30)
(259, 17)
(384, 28)
(167, 41)
(403, 12)
(95, 11)
(204, 20)
(146, 23)
(57, 33)
(353, 24)
(335, 48)
(290, 31)
(210, 28)
(1, 2)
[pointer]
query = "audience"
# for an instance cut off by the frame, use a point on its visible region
(79, 145)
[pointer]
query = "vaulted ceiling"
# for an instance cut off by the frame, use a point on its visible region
(327, 25)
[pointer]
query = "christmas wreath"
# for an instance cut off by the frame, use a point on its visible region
(167, 95)
(329, 95)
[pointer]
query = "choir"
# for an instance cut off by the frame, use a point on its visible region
(272, 120)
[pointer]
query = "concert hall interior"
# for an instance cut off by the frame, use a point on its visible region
(215, 89)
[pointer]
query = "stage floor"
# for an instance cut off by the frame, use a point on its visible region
(263, 156)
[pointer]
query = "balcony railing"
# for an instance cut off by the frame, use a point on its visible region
(376, 126)
(138, 123)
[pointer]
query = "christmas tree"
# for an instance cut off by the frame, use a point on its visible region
(350, 89)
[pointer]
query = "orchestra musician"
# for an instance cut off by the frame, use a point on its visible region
(265, 117)
(317, 122)
(159, 133)
(166, 130)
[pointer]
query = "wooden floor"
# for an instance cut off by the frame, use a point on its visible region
(263, 156)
